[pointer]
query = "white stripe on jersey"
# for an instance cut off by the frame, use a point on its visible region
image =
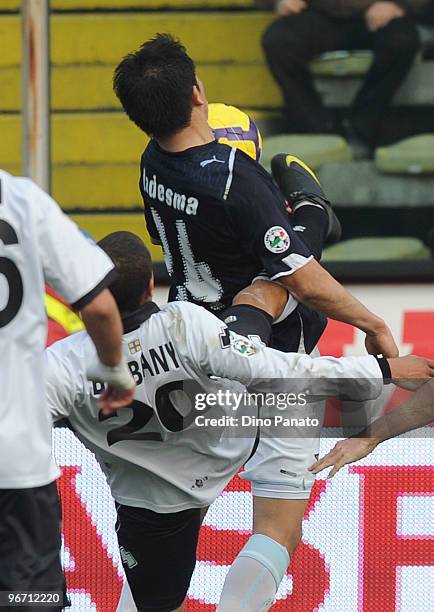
(231, 172)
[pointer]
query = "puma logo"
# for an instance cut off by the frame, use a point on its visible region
(205, 162)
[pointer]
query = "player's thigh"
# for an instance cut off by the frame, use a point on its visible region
(293, 35)
(30, 540)
(279, 519)
(158, 553)
(280, 476)
(281, 486)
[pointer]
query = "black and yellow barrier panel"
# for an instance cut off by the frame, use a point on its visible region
(88, 5)
(95, 158)
(103, 38)
(83, 88)
(99, 225)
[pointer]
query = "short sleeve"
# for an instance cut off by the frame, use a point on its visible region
(73, 266)
(257, 210)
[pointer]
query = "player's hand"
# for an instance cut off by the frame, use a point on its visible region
(121, 385)
(346, 451)
(112, 399)
(380, 14)
(411, 372)
(381, 342)
(290, 7)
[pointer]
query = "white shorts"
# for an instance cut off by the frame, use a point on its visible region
(279, 466)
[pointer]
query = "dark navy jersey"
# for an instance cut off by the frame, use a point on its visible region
(221, 221)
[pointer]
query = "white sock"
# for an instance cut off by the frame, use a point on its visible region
(255, 575)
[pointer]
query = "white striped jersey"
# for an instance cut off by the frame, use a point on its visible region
(38, 244)
(159, 453)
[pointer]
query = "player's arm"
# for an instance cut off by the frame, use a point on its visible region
(81, 272)
(314, 286)
(416, 412)
(269, 236)
(213, 350)
(216, 351)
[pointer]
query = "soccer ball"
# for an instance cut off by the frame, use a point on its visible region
(233, 127)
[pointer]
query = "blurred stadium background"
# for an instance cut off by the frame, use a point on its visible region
(369, 535)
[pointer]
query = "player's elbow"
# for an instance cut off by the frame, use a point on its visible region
(306, 284)
(302, 289)
(101, 308)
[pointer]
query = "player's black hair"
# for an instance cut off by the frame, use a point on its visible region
(134, 265)
(154, 85)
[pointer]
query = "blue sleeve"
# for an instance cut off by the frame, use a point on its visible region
(258, 213)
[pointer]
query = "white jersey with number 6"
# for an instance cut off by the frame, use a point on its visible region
(38, 243)
(160, 453)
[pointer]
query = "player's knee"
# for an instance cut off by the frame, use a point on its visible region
(293, 539)
(273, 36)
(265, 295)
(400, 38)
(288, 535)
(279, 43)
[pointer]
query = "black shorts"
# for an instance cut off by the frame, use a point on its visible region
(30, 541)
(158, 552)
(286, 335)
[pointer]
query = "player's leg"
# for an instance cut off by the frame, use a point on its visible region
(158, 553)
(30, 540)
(255, 308)
(281, 484)
(281, 487)
(312, 215)
(289, 47)
(395, 47)
(279, 520)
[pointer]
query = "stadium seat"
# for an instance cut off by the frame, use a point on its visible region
(342, 63)
(377, 249)
(413, 155)
(313, 149)
(360, 184)
(416, 90)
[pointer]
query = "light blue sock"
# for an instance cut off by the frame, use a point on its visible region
(255, 576)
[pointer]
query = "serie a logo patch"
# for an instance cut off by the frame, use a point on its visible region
(276, 239)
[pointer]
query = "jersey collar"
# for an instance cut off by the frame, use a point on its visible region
(198, 149)
(136, 318)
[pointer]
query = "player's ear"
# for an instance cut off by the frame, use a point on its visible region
(150, 289)
(198, 94)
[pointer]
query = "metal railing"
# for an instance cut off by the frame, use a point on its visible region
(36, 91)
